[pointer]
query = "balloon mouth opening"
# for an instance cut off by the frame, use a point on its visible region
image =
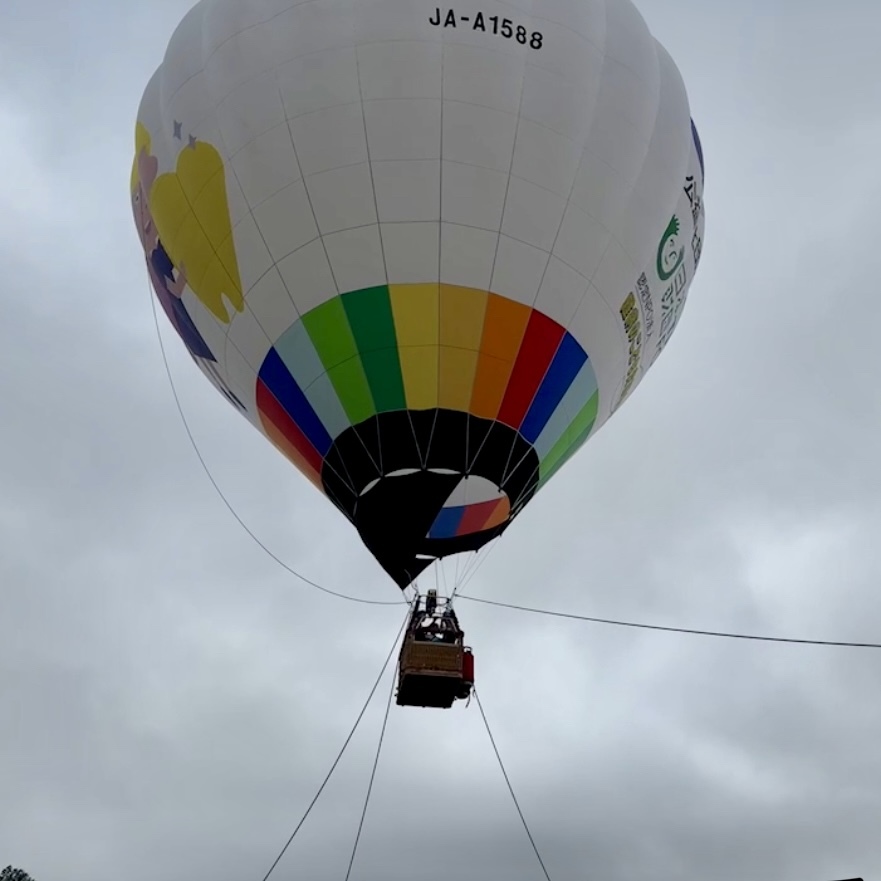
(401, 472)
(474, 506)
(421, 485)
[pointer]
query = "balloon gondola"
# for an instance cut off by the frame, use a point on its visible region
(435, 667)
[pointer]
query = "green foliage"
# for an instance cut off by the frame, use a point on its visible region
(10, 874)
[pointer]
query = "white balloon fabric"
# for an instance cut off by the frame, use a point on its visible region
(427, 250)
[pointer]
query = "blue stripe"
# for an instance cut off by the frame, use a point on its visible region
(326, 404)
(447, 523)
(296, 349)
(580, 392)
(699, 148)
(563, 370)
(286, 391)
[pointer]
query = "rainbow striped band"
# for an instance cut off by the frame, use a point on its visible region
(434, 368)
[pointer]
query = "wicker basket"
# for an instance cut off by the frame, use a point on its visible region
(419, 657)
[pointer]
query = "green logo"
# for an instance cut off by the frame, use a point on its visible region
(669, 260)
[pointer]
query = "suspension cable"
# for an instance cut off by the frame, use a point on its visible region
(388, 707)
(220, 492)
(508, 782)
(466, 578)
(341, 752)
(473, 565)
(666, 629)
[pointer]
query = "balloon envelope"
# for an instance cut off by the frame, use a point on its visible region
(427, 251)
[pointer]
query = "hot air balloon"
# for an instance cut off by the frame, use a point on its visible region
(427, 251)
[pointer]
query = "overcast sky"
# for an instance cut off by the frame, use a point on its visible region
(171, 697)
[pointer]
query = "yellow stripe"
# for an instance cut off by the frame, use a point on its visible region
(461, 316)
(415, 308)
(462, 313)
(457, 369)
(415, 311)
(419, 369)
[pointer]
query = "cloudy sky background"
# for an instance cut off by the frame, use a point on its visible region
(171, 697)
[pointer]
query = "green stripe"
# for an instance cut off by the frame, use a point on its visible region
(572, 439)
(332, 337)
(370, 316)
(351, 385)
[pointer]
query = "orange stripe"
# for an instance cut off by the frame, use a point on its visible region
(475, 517)
(503, 331)
(504, 327)
(500, 514)
(290, 452)
(489, 386)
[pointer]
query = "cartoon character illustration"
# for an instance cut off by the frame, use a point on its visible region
(162, 209)
(169, 289)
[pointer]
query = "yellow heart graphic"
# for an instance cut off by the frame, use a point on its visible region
(190, 209)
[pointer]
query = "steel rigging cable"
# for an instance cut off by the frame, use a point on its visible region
(608, 621)
(336, 761)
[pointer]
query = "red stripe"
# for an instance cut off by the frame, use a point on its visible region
(475, 517)
(539, 346)
(269, 407)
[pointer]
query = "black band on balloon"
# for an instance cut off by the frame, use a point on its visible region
(394, 513)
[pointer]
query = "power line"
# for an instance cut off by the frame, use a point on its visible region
(388, 707)
(292, 571)
(492, 740)
(223, 497)
(718, 633)
(336, 761)
(594, 620)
